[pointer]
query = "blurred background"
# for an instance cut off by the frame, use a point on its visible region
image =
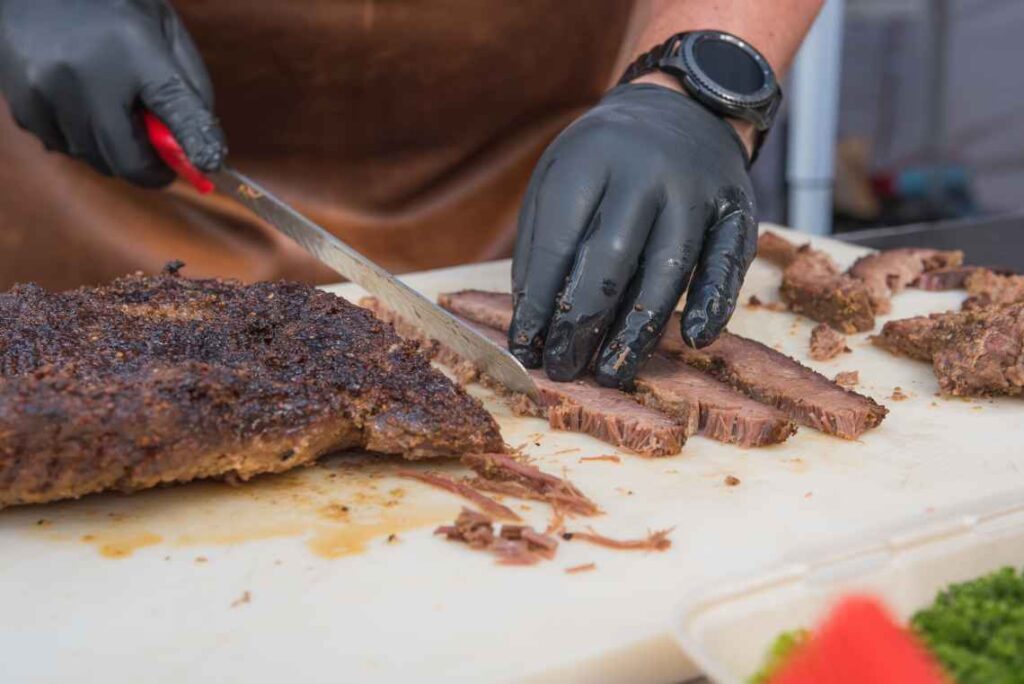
(929, 124)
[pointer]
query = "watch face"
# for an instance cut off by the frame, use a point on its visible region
(724, 69)
(729, 66)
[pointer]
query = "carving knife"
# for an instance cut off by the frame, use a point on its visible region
(434, 321)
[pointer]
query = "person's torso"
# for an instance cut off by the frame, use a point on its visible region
(376, 102)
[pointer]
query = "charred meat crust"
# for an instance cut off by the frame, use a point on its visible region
(162, 379)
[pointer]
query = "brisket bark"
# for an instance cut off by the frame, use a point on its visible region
(988, 288)
(890, 271)
(774, 378)
(973, 353)
(151, 380)
(814, 286)
(694, 399)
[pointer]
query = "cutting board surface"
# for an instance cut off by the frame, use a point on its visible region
(331, 574)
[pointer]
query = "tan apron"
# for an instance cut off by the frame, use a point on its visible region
(407, 127)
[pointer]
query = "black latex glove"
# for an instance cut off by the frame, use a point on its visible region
(642, 191)
(76, 73)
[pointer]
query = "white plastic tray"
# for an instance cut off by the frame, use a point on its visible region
(727, 628)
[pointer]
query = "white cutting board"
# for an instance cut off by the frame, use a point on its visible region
(273, 581)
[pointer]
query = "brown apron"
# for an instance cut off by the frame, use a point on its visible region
(407, 127)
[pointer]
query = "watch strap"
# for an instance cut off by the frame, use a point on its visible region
(651, 61)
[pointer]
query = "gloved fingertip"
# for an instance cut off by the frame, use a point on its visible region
(616, 367)
(705, 318)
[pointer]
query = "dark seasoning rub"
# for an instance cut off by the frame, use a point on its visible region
(161, 379)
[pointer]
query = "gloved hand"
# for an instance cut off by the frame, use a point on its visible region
(642, 191)
(76, 73)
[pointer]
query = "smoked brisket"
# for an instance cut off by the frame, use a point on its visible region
(977, 352)
(152, 380)
(580, 406)
(890, 271)
(774, 378)
(813, 285)
(693, 399)
(988, 288)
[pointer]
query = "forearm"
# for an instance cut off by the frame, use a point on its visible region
(776, 27)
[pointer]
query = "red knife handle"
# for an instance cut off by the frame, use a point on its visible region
(168, 149)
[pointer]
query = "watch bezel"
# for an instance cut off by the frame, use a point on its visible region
(757, 107)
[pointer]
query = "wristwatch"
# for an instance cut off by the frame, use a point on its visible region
(722, 72)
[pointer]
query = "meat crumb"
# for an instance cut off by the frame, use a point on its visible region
(392, 538)
(202, 559)
(513, 544)
(606, 457)
(654, 541)
(898, 394)
(826, 343)
(848, 379)
(731, 480)
(246, 597)
(755, 303)
(586, 567)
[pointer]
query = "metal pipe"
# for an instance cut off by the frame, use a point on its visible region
(813, 118)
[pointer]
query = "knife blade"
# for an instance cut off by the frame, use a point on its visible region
(434, 321)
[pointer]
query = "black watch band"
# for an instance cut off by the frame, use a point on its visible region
(722, 72)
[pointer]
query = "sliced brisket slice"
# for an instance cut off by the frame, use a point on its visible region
(581, 406)
(711, 408)
(814, 286)
(699, 402)
(890, 271)
(774, 378)
(973, 353)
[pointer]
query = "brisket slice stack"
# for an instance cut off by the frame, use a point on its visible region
(813, 284)
(152, 380)
(726, 392)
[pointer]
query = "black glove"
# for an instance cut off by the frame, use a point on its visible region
(640, 192)
(76, 73)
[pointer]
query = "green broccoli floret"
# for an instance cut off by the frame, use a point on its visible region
(976, 629)
(779, 652)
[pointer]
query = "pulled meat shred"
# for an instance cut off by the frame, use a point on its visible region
(464, 490)
(502, 474)
(654, 541)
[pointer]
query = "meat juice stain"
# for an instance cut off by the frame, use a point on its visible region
(338, 508)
